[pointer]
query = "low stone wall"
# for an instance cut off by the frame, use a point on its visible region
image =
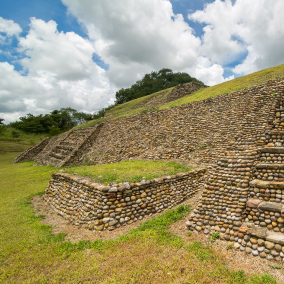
(100, 207)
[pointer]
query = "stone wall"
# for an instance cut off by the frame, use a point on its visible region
(100, 207)
(199, 130)
(183, 90)
(32, 152)
(242, 199)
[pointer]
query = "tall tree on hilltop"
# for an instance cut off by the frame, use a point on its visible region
(151, 83)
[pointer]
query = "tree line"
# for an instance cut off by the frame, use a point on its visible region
(53, 123)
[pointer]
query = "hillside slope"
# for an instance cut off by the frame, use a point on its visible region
(152, 102)
(197, 131)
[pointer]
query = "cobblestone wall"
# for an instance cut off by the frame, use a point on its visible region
(100, 207)
(200, 130)
(242, 199)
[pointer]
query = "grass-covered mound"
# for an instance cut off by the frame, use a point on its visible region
(141, 105)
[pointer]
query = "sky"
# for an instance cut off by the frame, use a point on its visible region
(78, 53)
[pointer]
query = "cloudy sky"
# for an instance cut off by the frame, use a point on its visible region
(78, 53)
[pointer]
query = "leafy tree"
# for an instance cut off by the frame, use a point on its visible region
(151, 83)
(54, 123)
(2, 125)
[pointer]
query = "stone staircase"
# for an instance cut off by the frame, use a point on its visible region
(243, 199)
(69, 149)
(265, 207)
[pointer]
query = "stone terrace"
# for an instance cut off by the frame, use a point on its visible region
(243, 196)
(200, 130)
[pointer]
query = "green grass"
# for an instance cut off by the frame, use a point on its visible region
(128, 171)
(237, 84)
(14, 135)
(30, 253)
(12, 147)
(129, 108)
(138, 106)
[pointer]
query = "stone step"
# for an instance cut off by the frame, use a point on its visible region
(63, 151)
(56, 156)
(274, 237)
(269, 166)
(65, 147)
(272, 150)
(69, 143)
(264, 233)
(265, 205)
(266, 184)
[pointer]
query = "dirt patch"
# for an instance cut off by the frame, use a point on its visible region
(234, 259)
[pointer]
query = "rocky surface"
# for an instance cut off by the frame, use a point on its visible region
(32, 152)
(100, 207)
(242, 199)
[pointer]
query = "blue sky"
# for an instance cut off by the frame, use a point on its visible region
(78, 53)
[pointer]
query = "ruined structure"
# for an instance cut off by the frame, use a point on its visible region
(100, 207)
(243, 198)
(240, 135)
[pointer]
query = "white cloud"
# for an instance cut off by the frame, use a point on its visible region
(9, 27)
(252, 27)
(60, 73)
(134, 38)
(137, 37)
(67, 56)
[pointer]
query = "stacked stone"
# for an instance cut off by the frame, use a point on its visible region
(184, 90)
(99, 207)
(200, 130)
(70, 149)
(32, 152)
(260, 203)
(259, 242)
(225, 195)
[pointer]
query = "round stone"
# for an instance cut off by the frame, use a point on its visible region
(253, 240)
(255, 252)
(278, 247)
(269, 245)
(274, 253)
(237, 245)
(260, 242)
(248, 250)
(260, 249)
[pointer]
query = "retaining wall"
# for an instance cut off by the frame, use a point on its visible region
(100, 207)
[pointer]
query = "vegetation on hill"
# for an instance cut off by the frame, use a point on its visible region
(234, 85)
(148, 103)
(151, 83)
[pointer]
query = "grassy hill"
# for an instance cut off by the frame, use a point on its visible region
(30, 252)
(151, 102)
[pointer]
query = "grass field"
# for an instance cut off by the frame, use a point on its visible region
(30, 253)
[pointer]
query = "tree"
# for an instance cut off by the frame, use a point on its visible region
(54, 123)
(2, 125)
(151, 83)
